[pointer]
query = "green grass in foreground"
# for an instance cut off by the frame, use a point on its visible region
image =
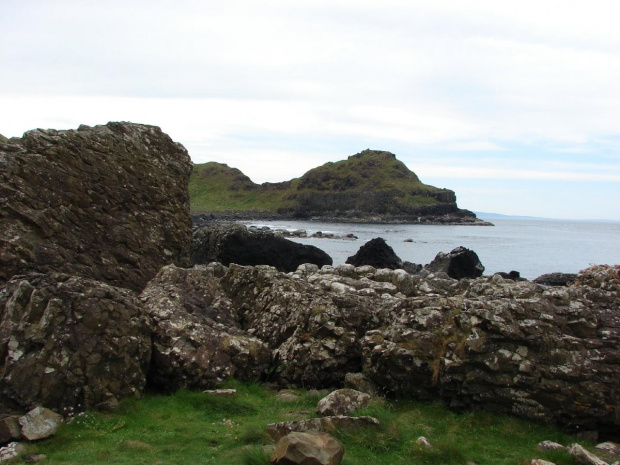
(193, 428)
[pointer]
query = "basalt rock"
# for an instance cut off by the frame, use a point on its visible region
(233, 243)
(197, 342)
(459, 263)
(376, 253)
(68, 341)
(556, 279)
(109, 203)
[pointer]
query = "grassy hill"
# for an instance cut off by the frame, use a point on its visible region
(371, 185)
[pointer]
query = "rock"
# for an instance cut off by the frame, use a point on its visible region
(549, 445)
(459, 263)
(279, 430)
(39, 423)
(109, 203)
(376, 253)
(9, 428)
(556, 279)
(34, 458)
(422, 441)
(584, 457)
(11, 450)
(611, 448)
(67, 341)
(110, 405)
(197, 341)
(307, 449)
(287, 395)
(221, 392)
(541, 462)
(233, 243)
(514, 275)
(360, 382)
(505, 346)
(343, 402)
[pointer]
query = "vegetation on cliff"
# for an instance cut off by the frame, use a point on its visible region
(369, 185)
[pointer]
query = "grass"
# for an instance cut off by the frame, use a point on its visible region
(215, 187)
(194, 428)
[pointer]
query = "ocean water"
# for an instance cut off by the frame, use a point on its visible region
(530, 246)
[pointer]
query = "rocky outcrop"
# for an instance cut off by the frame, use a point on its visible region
(197, 342)
(369, 187)
(376, 253)
(556, 279)
(234, 243)
(67, 341)
(459, 263)
(109, 203)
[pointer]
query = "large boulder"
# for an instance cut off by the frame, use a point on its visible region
(307, 449)
(505, 346)
(68, 341)
(376, 253)
(109, 203)
(314, 334)
(459, 263)
(197, 342)
(234, 243)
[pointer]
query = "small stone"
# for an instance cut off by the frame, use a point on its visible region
(611, 448)
(550, 445)
(34, 458)
(221, 392)
(422, 441)
(110, 405)
(343, 402)
(287, 395)
(40, 423)
(9, 429)
(541, 462)
(584, 457)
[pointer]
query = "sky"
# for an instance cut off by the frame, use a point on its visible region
(514, 105)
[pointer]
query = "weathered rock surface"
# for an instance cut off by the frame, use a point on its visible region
(556, 279)
(343, 402)
(109, 203)
(339, 422)
(66, 341)
(39, 423)
(376, 253)
(459, 263)
(9, 428)
(584, 457)
(307, 449)
(234, 243)
(197, 342)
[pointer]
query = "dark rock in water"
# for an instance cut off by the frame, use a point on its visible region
(556, 279)
(67, 340)
(233, 243)
(376, 253)
(459, 263)
(514, 275)
(197, 342)
(109, 203)
(412, 268)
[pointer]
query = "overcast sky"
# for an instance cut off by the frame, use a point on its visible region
(515, 105)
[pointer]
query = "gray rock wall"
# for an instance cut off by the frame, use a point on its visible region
(109, 203)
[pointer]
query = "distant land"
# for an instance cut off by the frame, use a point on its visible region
(372, 186)
(500, 215)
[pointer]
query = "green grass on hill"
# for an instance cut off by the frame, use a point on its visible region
(215, 187)
(193, 428)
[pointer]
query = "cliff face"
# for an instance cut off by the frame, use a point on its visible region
(108, 203)
(371, 186)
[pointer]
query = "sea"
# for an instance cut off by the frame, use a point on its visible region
(530, 246)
